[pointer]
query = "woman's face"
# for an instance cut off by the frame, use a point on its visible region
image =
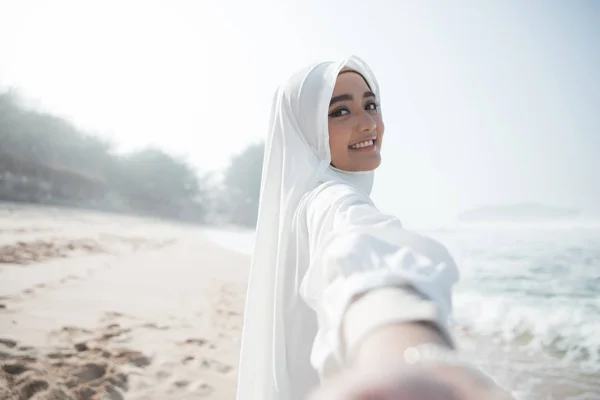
(355, 125)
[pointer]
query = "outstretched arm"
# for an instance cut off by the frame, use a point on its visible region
(381, 293)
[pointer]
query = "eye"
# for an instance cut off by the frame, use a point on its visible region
(372, 106)
(340, 112)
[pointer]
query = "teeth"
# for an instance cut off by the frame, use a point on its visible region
(360, 145)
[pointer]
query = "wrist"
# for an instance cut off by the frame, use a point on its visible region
(386, 321)
(390, 343)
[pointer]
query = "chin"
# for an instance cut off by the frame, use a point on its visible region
(373, 164)
(369, 165)
(371, 168)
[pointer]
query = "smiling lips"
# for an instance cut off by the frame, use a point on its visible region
(365, 145)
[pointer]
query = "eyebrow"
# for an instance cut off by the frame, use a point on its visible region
(347, 97)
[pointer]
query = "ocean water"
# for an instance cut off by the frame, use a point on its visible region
(532, 293)
(528, 297)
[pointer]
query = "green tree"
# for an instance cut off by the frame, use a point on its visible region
(46, 158)
(153, 173)
(241, 185)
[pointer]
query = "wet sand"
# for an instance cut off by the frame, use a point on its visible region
(98, 306)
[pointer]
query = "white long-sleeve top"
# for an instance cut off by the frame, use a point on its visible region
(353, 248)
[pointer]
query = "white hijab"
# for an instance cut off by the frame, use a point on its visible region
(296, 159)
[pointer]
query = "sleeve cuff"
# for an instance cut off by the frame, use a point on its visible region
(382, 306)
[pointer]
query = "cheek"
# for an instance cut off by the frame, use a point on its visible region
(338, 140)
(380, 128)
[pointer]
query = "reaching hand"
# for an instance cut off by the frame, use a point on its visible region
(436, 382)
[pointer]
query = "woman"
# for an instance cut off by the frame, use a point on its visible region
(336, 289)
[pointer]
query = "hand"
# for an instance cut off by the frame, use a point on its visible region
(440, 382)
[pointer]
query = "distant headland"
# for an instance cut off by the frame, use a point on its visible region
(517, 212)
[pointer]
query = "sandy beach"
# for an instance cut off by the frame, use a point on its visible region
(99, 306)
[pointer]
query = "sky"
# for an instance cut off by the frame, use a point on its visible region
(484, 102)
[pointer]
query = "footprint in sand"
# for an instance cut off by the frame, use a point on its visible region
(114, 331)
(225, 312)
(25, 383)
(200, 389)
(70, 333)
(195, 341)
(69, 279)
(3, 305)
(153, 325)
(204, 389)
(96, 379)
(8, 343)
(205, 363)
(188, 359)
(31, 388)
(33, 289)
(92, 374)
(112, 315)
(208, 363)
(14, 368)
(109, 316)
(216, 365)
(181, 383)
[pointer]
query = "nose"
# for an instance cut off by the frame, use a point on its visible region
(367, 123)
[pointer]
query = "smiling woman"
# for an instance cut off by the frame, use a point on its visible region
(335, 284)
